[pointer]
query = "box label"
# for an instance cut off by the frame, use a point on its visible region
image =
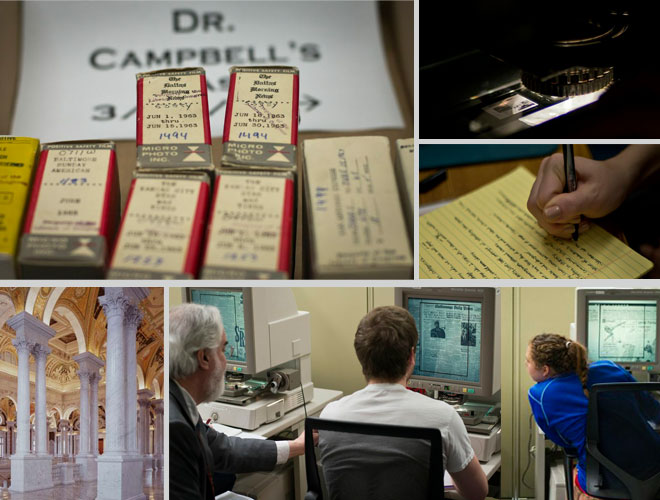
(75, 250)
(17, 157)
(157, 226)
(72, 192)
(172, 110)
(261, 122)
(262, 107)
(356, 214)
(246, 229)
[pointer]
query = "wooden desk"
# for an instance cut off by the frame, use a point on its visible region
(462, 180)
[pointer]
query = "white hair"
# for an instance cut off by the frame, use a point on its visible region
(193, 327)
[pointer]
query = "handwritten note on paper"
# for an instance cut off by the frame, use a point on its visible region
(490, 234)
(357, 223)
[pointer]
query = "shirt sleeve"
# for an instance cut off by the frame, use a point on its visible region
(282, 451)
(457, 448)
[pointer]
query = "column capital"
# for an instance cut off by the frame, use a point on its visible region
(94, 379)
(40, 351)
(11, 424)
(22, 345)
(89, 363)
(159, 406)
(63, 425)
(144, 397)
(133, 316)
(29, 328)
(113, 304)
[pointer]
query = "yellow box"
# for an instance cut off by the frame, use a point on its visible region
(17, 163)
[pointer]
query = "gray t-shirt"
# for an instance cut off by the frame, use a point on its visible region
(357, 466)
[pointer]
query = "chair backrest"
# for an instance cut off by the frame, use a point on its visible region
(623, 448)
(372, 472)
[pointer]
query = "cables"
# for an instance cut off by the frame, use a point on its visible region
(530, 452)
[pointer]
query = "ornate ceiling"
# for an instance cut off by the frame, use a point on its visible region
(80, 325)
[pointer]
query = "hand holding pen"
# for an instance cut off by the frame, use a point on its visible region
(602, 187)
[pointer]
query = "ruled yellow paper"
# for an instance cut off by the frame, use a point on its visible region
(489, 233)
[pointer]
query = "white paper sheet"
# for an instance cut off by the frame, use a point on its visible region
(79, 60)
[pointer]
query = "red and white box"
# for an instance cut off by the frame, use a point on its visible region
(73, 213)
(251, 226)
(261, 118)
(162, 229)
(173, 127)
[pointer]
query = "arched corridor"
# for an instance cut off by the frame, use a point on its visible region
(68, 413)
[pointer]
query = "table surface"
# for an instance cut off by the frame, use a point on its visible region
(462, 180)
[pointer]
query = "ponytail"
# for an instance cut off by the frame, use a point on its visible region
(561, 354)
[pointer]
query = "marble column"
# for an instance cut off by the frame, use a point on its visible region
(120, 466)
(88, 373)
(94, 407)
(41, 417)
(132, 320)
(29, 471)
(11, 425)
(23, 348)
(159, 408)
(144, 420)
(64, 437)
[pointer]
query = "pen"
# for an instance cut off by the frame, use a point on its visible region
(571, 178)
(432, 180)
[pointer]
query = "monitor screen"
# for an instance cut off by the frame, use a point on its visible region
(623, 331)
(230, 305)
(449, 345)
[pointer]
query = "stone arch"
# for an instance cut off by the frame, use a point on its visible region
(75, 324)
(31, 299)
(7, 308)
(52, 301)
(157, 388)
(140, 378)
(67, 413)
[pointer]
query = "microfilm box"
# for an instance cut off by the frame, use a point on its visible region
(162, 229)
(173, 128)
(251, 226)
(73, 212)
(355, 223)
(17, 162)
(261, 118)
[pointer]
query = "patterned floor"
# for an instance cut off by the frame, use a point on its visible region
(80, 491)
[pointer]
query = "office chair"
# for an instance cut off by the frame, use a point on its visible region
(623, 450)
(374, 474)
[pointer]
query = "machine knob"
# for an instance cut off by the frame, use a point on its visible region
(571, 82)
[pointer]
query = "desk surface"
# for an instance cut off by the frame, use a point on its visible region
(462, 180)
(489, 468)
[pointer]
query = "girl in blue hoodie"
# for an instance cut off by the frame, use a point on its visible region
(559, 400)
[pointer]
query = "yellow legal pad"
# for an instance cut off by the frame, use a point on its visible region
(489, 233)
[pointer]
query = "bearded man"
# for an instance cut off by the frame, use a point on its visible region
(199, 454)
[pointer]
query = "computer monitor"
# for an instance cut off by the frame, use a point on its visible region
(263, 326)
(459, 338)
(621, 325)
